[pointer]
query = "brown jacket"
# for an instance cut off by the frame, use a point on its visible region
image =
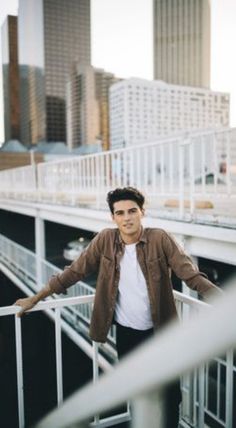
(157, 253)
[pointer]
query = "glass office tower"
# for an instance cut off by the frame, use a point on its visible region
(52, 35)
(182, 42)
(10, 78)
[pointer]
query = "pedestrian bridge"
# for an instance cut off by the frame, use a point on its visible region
(191, 177)
(190, 185)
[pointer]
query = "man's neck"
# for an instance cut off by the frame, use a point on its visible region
(131, 239)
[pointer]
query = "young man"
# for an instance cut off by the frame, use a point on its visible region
(133, 286)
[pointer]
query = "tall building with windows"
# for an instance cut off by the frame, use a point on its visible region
(52, 35)
(143, 111)
(10, 78)
(87, 107)
(181, 32)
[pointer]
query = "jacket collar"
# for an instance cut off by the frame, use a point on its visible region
(142, 238)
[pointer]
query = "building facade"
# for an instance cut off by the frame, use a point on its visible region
(181, 42)
(87, 107)
(52, 35)
(143, 111)
(10, 78)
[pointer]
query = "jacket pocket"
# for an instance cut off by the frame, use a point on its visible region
(155, 267)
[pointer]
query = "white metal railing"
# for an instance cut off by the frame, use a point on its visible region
(205, 391)
(50, 304)
(22, 262)
(196, 387)
(174, 352)
(172, 168)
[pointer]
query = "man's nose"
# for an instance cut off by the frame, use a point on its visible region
(126, 215)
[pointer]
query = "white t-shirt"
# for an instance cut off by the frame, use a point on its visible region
(132, 306)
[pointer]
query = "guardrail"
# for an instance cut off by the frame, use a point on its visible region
(22, 262)
(186, 170)
(50, 304)
(197, 387)
(174, 352)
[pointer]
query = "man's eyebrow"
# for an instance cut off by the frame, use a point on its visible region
(118, 211)
(122, 211)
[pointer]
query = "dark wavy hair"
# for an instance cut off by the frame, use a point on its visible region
(125, 194)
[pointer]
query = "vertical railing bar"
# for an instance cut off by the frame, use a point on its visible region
(58, 356)
(131, 167)
(138, 167)
(229, 388)
(191, 173)
(19, 368)
(113, 169)
(162, 169)
(107, 172)
(102, 173)
(207, 385)
(95, 371)
(201, 397)
(98, 185)
(203, 172)
(119, 169)
(146, 171)
(218, 390)
(228, 179)
(153, 170)
(92, 186)
(171, 167)
(215, 164)
(181, 180)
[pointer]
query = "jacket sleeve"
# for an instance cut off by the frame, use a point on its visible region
(86, 263)
(185, 269)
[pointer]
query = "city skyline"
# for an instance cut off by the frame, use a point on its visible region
(113, 53)
(181, 42)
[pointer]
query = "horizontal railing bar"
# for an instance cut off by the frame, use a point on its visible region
(70, 301)
(112, 420)
(191, 301)
(49, 304)
(20, 247)
(196, 332)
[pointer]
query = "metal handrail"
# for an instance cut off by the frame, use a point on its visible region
(203, 344)
(172, 170)
(183, 302)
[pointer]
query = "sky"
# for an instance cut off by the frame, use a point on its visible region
(122, 42)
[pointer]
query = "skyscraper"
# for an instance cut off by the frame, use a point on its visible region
(87, 107)
(182, 41)
(10, 78)
(52, 35)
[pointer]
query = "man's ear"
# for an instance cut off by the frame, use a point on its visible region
(143, 212)
(112, 217)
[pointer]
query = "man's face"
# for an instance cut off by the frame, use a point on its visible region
(127, 216)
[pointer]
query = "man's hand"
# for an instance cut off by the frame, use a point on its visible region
(26, 304)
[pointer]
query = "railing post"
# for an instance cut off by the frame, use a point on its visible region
(191, 178)
(201, 396)
(98, 181)
(39, 248)
(148, 410)
(229, 388)
(181, 180)
(203, 167)
(228, 172)
(95, 371)
(19, 368)
(58, 356)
